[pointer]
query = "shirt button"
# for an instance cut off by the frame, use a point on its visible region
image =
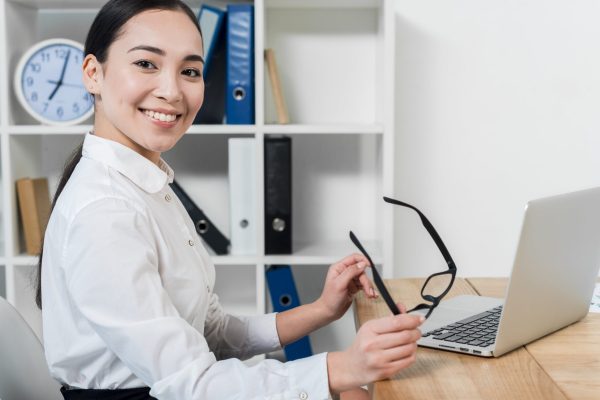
(167, 197)
(303, 396)
(207, 288)
(191, 242)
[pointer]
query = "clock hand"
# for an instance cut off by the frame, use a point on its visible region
(64, 68)
(66, 84)
(62, 75)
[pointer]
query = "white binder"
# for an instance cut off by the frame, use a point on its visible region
(242, 195)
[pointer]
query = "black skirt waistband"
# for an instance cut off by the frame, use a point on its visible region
(107, 394)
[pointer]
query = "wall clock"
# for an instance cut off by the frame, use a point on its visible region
(48, 83)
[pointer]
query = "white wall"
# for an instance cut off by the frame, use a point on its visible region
(498, 102)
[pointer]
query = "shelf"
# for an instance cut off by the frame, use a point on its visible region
(323, 4)
(293, 129)
(323, 253)
(235, 260)
(221, 129)
(342, 139)
(82, 129)
(96, 4)
(304, 254)
(18, 130)
(328, 129)
(61, 4)
(22, 260)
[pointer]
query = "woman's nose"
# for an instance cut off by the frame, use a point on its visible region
(169, 88)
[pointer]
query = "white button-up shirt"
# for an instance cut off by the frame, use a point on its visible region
(127, 291)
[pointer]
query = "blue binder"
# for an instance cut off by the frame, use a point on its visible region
(239, 99)
(213, 24)
(284, 297)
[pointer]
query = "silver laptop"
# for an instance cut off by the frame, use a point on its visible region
(551, 285)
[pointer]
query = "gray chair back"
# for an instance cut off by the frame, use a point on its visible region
(24, 373)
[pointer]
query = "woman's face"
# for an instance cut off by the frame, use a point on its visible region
(150, 87)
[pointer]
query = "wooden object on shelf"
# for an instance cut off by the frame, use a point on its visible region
(282, 112)
(34, 204)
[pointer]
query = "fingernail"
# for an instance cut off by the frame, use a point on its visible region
(422, 319)
(372, 292)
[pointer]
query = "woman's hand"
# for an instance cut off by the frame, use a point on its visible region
(381, 349)
(344, 279)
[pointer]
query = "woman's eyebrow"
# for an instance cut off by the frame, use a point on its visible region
(160, 52)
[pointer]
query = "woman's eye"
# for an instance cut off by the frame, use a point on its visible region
(192, 72)
(145, 64)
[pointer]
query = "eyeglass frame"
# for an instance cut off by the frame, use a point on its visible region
(435, 300)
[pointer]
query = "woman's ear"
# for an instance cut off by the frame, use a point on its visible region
(92, 71)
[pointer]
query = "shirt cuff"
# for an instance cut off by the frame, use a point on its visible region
(308, 377)
(262, 333)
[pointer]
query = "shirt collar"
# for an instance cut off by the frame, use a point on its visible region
(144, 173)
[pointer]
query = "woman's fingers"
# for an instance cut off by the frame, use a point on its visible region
(395, 323)
(398, 353)
(396, 339)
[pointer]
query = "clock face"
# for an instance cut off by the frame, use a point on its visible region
(49, 83)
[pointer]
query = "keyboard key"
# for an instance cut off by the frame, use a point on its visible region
(444, 335)
(476, 342)
(452, 338)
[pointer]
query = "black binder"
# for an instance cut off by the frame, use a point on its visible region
(205, 228)
(213, 108)
(278, 195)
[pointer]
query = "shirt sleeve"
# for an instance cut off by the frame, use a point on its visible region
(110, 265)
(239, 336)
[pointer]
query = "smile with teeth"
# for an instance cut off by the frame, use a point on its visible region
(160, 116)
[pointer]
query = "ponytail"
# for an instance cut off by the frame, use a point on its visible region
(67, 172)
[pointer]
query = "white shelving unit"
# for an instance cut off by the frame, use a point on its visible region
(336, 62)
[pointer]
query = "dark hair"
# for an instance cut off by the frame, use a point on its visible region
(106, 28)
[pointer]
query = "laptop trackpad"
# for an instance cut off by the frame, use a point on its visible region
(457, 308)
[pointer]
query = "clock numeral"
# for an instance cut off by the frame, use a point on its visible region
(35, 67)
(87, 97)
(76, 108)
(60, 53)
(45, 57)
(34, 97)
(46, 104)
(60, 112)
(29, 81)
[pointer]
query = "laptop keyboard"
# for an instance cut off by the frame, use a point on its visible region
(478, 330)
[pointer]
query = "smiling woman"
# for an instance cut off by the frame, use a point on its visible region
(127, 288)
(149, 87)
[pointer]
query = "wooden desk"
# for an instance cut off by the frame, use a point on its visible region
(563, 365)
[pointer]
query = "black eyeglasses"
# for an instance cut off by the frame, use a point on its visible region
(435, 287)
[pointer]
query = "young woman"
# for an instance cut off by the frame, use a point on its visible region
(126, 285)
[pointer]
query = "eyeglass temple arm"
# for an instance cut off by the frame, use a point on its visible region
(429, 227)
(378, 281)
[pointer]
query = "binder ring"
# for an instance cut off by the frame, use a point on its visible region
(239, 93)
(285, 300)
(244, 223)
(202, 226)
(278, 225)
